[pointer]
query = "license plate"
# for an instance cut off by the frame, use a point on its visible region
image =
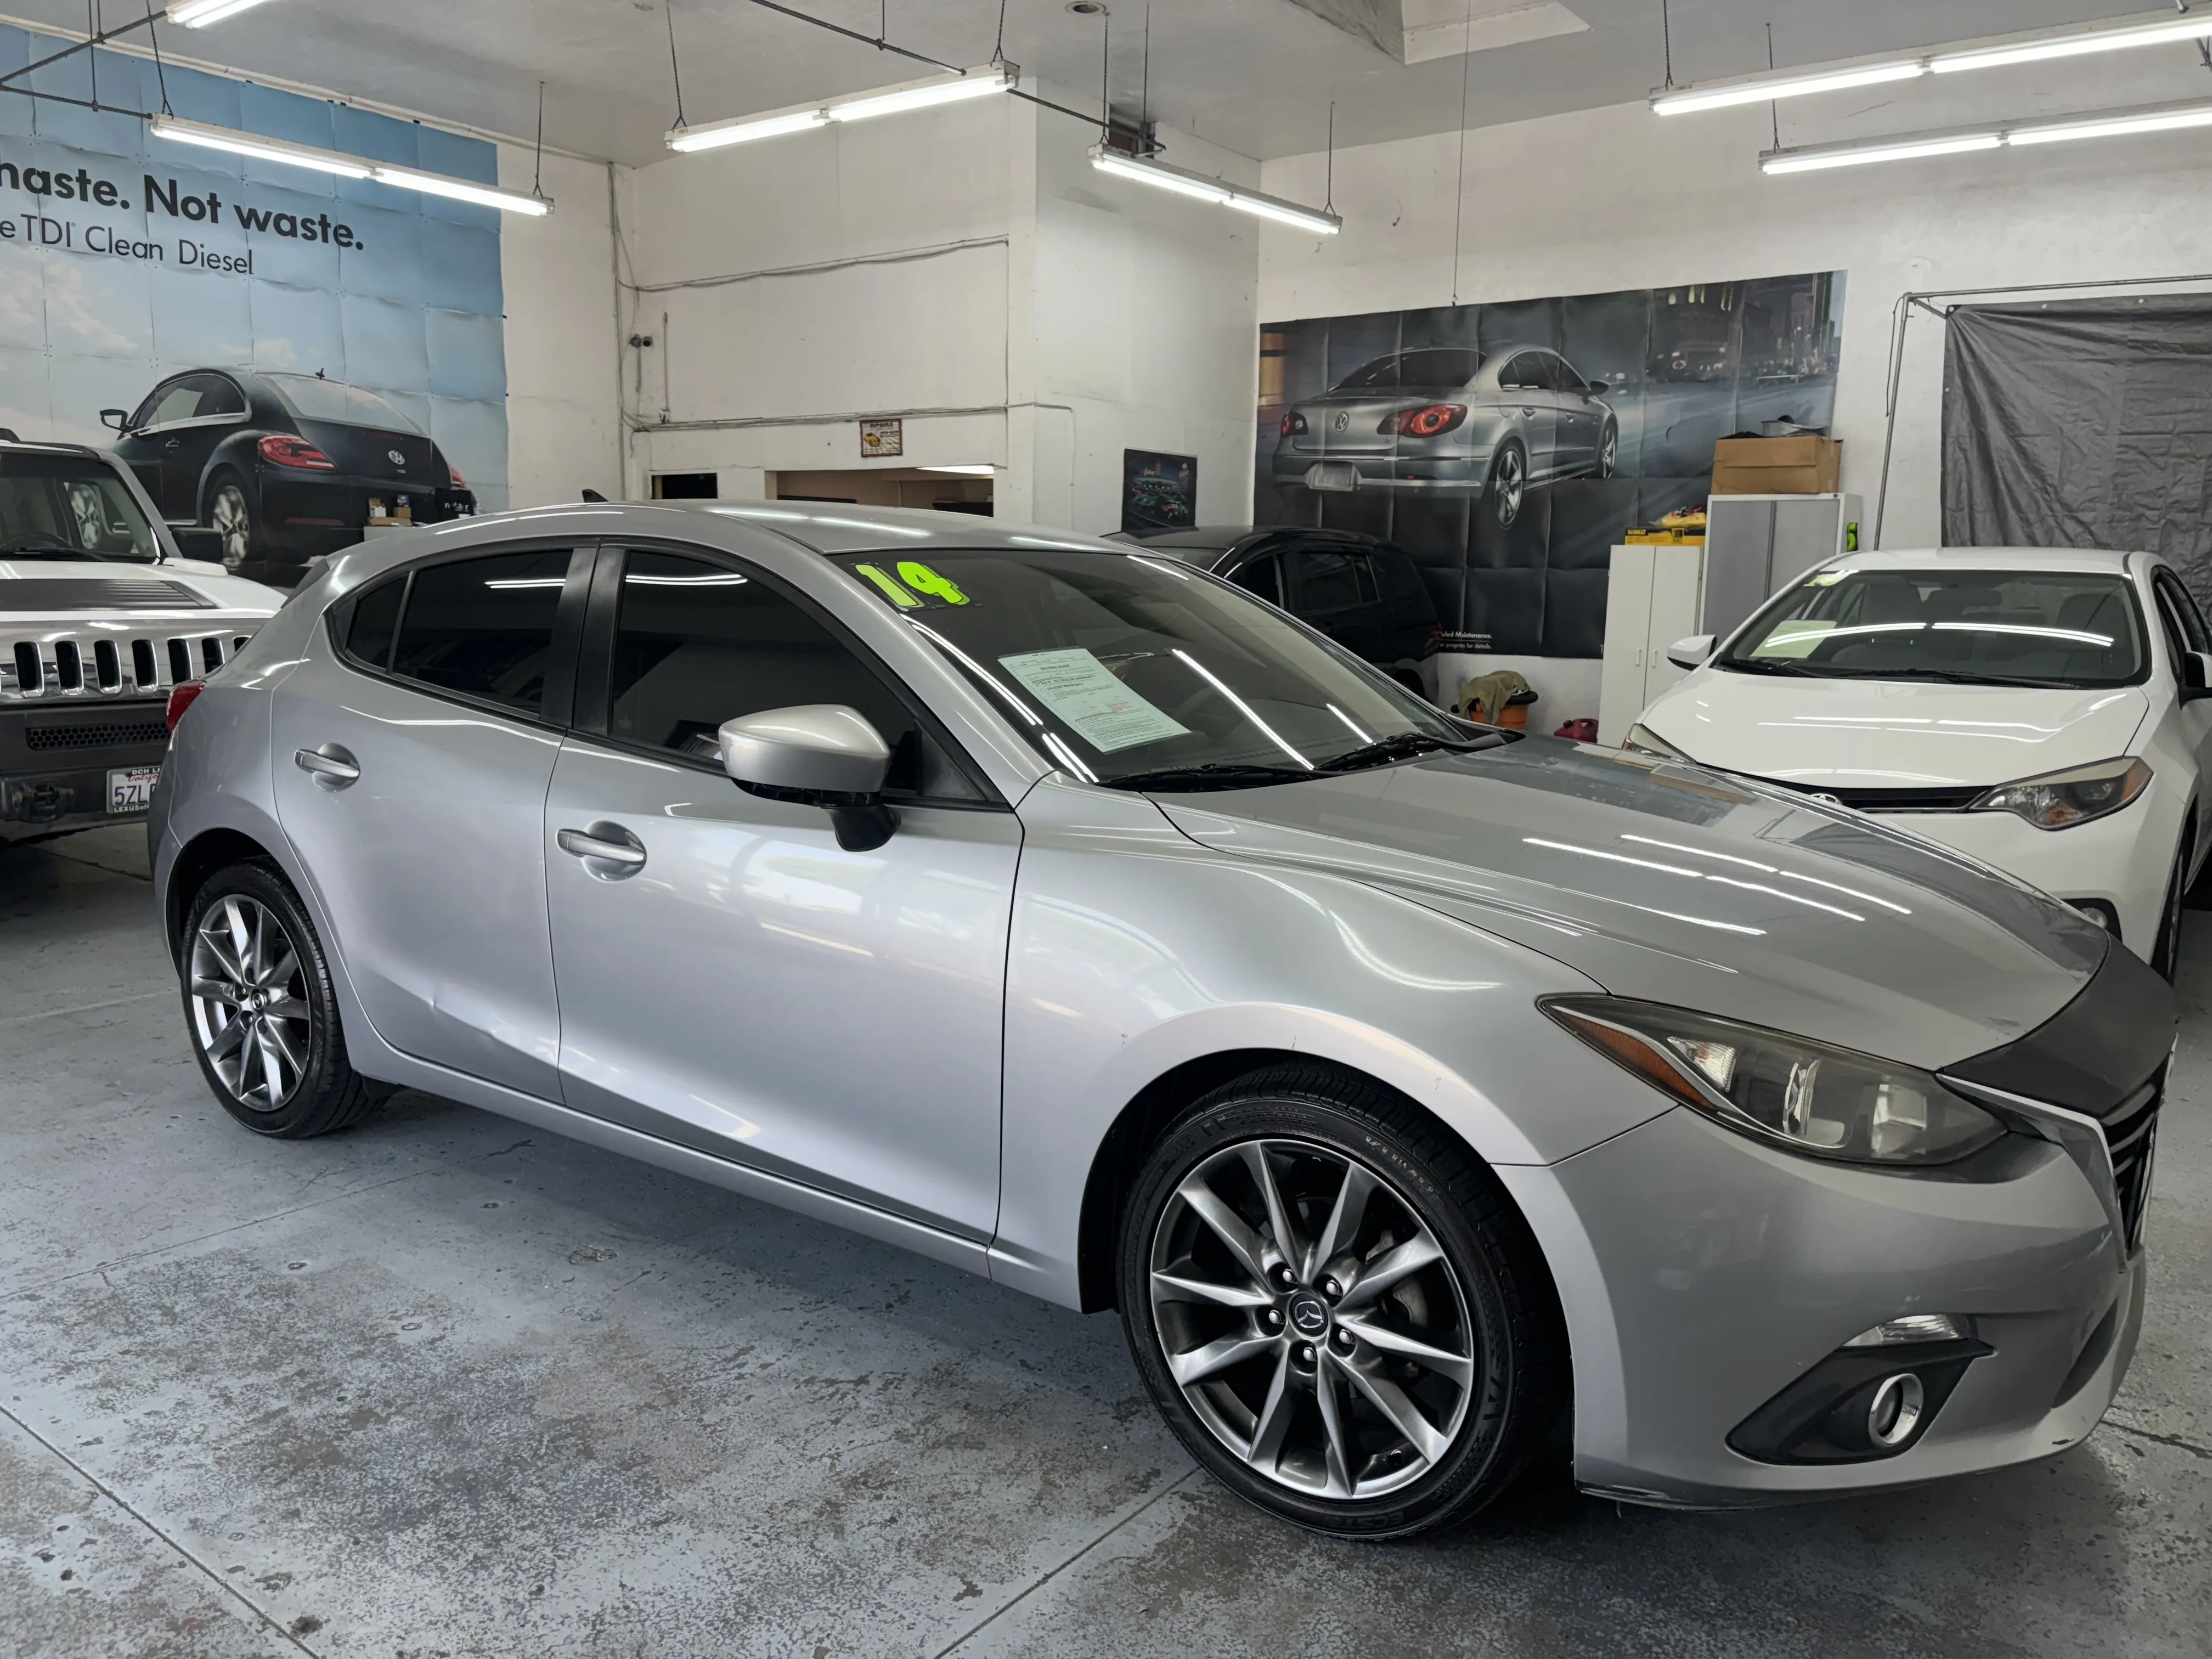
(130, 788)
(1333, 477)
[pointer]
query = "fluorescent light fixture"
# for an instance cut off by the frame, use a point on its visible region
(199, 14)
(461, 190)
(743, 130)
(984, 471)
(261, 149)
(2119, 124)
(1766, 89)
(1896, 150)
(924, 95)
(2077, 44)
(1218, 191)
(2096, 124)
(343, 166)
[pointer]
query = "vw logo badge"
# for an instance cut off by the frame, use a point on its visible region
(397, 459)
(1309, 1316)
(1343, 419)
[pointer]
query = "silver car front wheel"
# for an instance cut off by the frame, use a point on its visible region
(1509, 481)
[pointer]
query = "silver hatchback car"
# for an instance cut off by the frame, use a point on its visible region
(1412, 1089)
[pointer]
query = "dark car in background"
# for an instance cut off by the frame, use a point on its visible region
(1363, 593)
(284, 466)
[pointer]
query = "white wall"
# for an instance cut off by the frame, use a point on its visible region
(1620, 198)
(563, 435)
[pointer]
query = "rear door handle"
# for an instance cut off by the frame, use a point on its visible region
(609, 851)
(331, 766)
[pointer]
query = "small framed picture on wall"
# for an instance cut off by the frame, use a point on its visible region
(1158, 492)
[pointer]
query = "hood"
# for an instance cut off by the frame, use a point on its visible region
(1676, 884)
(92, 588)
(1891, 734)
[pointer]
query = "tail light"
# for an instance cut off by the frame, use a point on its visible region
(454, 473)
(1436, 632)
(1429, 421)
(182, 696)
(1293, 424)
(280, 451)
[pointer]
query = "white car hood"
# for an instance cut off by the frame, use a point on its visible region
(233, 595)
(1891, 734)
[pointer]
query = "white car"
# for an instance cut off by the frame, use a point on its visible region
(2044, 710)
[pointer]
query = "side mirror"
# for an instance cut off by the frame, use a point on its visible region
(2195, 676)
(197, 541)
(820, 754)
(115, 417)
(1597, 389)
(1691, 652)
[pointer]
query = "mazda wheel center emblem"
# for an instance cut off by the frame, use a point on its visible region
(1309, 1316)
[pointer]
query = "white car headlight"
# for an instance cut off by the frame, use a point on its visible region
(1643, 740)
(2059, 800)
(1823, 1101)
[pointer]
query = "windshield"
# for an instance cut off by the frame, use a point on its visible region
(70, 507)
(314, 400)
(1979, 627)
(1441, 366)
(1126, 669)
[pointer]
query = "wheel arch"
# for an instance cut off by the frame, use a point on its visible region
(198, 859)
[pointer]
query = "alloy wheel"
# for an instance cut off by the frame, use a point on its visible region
(1311, 1319)
(248, 990)
(1609, 453)
(88, 514)
(1511, 477)
(230, 518)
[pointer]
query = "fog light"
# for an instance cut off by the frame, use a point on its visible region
(1913, 1327)
(1894, 1412)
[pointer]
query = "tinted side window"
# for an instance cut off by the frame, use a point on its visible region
(1524, 374)
(483, 627)
(219, 397)
(2184, 603)
(1326, 582)
(375, 623)
(178, 401)
(1259, 576)
(696, 644)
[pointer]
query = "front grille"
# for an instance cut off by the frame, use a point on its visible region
(58, 668)
(2132, 1133)
(1946, 799)
(96, 737)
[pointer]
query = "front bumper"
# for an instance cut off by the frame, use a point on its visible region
(56, 786)
(1710, 1272)
(2124, 860)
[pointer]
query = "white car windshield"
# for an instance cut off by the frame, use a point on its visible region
(2058, 628)
(1131, 670)
(70, 507)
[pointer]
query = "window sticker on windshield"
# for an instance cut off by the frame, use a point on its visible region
(916, 587)
(1827, 579)
(1083, 691)
(1795, 638)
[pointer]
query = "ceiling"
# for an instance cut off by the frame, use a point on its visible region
(1254, 75)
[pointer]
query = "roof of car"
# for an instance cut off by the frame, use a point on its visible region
(1989, 558)
(12, 442)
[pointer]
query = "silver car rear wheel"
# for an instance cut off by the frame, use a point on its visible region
(250, 1012)
(1314, 1324)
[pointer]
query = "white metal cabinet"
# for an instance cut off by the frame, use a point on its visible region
(1653, 597)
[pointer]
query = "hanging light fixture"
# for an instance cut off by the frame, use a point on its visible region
(285, 154)
(927, 94)
(2043, 130)
(1198, 187)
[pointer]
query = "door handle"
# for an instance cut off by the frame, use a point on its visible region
(173, 443)
(607, 845)
(1528, 408)
(331, 767)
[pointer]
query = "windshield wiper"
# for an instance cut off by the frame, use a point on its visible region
(1403, 745)
(1769, 666)
(1209, 775)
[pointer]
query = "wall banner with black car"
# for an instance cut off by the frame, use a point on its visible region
(127, 259)
(1508, 446)
(1158, 492)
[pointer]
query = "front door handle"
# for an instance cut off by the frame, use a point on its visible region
(609, 851)
(173, 443)
(1528, 408)
(331, 766)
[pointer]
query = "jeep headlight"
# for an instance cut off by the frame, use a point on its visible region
(1812, 1098)
(2059, 800)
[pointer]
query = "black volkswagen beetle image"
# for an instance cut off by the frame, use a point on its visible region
(283, 466)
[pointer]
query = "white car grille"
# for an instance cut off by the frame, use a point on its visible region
(78, 664)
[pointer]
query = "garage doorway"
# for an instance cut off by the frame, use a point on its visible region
(887, 486)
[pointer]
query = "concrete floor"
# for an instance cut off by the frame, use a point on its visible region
(440, 1386)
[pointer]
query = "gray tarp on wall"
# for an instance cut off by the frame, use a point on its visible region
(2082, 424)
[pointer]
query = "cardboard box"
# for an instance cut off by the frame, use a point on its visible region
(1778, 466)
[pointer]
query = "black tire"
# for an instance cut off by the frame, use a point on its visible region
(1508, 484)
(1609, 449)
(229, 508)
(1496, 1314)
(324, 1092)
(2166, 951)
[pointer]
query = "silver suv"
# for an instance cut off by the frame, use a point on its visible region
(1066, 913)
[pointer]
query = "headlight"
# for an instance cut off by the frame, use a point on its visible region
(2059, 800)
(1823, 1101)
(1643, 740)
